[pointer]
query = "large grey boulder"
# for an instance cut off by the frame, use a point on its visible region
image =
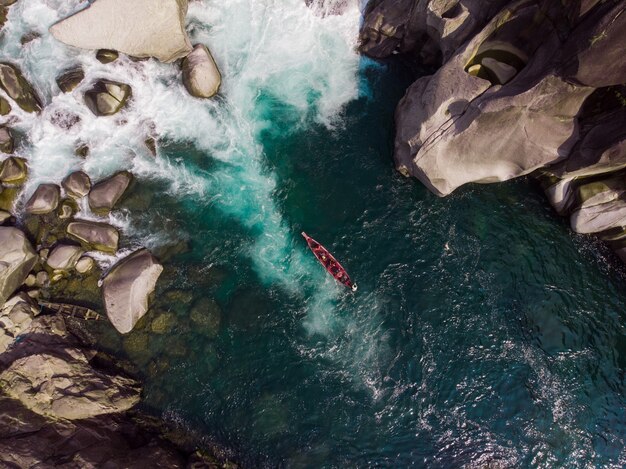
(64, 257)
(105, 194)
(141, 28)
(17, 258)
(107, 97)
(94, 235)
(201, 76)
(77, 184)
(44, 200)
(19, 90)
(127, 286)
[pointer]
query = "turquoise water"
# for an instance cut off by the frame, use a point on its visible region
(483, 331)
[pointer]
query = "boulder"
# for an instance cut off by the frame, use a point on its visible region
(141, 28)
(17, 258)
(127, 286)
(64, 257)
(77, 184)
(201, 76)
(6, 140)
(94, 235)
(105, 194)
(44, 200)
(107, 97)
(85, 265)
(13, 171)
(70, 79)
(19, 90)
(106, 56)
(5, 107)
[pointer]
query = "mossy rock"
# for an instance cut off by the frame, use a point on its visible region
(7, 198)
(106, 56)
(206, 314)
(70, 79)
(163, 323)
(15, 85)
(5, 107)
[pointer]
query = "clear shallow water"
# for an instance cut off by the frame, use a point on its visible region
(483, 331)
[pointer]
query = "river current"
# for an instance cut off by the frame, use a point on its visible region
(484, 332)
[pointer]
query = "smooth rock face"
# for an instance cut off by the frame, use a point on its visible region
(19, 90)
(77, 184)
(85, 265)
(13, 170)
(201, 76)
(107, 97)
(95, 235)
(64, 257)
(105, 194)
(44, 200)
(141, 28)
(17, 258)
(126, 288)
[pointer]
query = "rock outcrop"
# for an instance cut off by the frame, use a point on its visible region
(201, 76)
(63, 404)
(141, 28)
(523, 87)
(127, 286)
(17, 258)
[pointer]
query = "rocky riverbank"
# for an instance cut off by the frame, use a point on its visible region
(521, 87)
(63, 401)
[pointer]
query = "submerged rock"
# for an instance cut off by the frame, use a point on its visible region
(17, 259)
(13, 171)
(94, 235)
(19, 90)
(70, 79)
(77, 184)
(105, 194)
(107, 97)
(142, 28)
(126, 288)
(44, 200)
(201, 76)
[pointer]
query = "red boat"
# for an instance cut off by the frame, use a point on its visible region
(333, 267)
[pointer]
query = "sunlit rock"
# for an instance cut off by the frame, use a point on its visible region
(141, 28)
(201, 76)
(127, 286)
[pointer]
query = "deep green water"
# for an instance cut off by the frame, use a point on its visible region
(483, 331)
